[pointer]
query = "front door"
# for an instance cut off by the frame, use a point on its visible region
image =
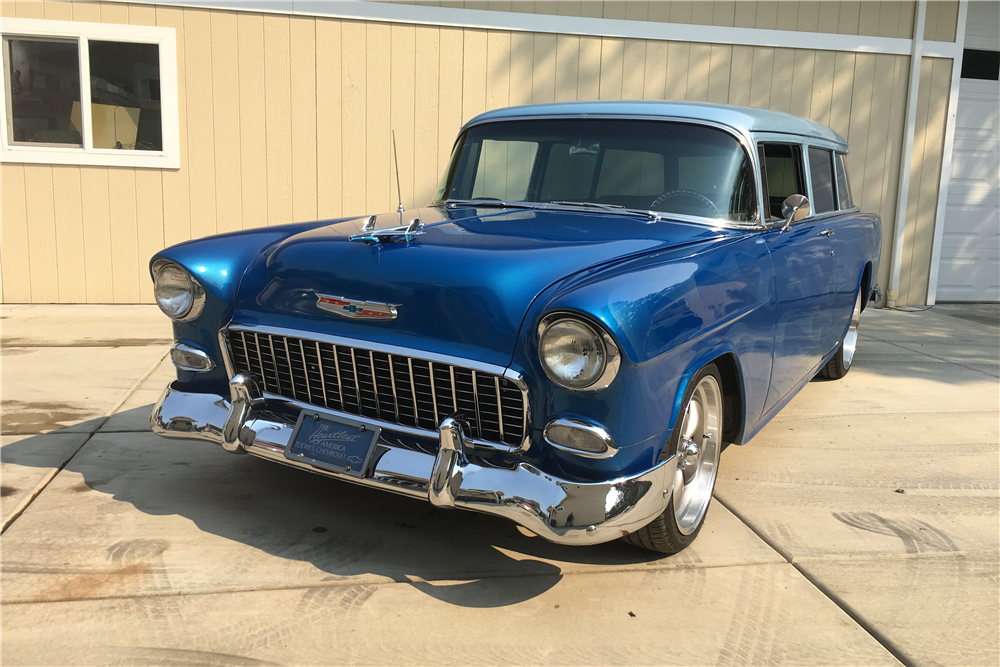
(805, 276)
(804, 273)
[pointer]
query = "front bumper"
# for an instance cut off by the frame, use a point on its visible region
(559, 510)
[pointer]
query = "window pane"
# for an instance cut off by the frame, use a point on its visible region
(43, 78)
(125, 95)
(503, 170)
(630, 174)
(979, 64)
(665, 166)
(843, 187)
(569, 173)
(783, 173)
(821, 171)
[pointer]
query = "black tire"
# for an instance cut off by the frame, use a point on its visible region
(664, 534)
(840, 363)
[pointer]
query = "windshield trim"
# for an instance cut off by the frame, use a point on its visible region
(651, 217)
(742, 138)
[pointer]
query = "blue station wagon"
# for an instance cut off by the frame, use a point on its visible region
(601, 297)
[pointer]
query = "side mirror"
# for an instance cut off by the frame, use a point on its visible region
(794, 208)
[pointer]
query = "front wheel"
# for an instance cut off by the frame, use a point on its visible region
(697, 441)
(838, 366)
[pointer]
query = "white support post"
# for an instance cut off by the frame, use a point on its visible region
(946, 156)
(916, 57)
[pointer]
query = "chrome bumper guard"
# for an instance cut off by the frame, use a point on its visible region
(559, 510)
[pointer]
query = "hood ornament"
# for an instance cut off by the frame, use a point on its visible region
(356, 310)
(390, 234)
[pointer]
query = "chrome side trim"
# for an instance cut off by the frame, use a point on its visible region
(611, 448)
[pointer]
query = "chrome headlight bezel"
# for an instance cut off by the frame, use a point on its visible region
(196, 290)
(612, 355)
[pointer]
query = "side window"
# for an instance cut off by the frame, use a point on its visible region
(781, 167)
(843, 187)
(821, 171)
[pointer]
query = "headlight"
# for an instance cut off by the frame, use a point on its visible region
(177, 293)
(575, 355)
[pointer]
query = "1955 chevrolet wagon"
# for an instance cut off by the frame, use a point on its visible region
(601, 297)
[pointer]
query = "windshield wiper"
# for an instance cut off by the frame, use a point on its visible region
(610, 208)
(488, 203)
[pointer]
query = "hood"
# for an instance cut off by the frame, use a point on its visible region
(461, 286)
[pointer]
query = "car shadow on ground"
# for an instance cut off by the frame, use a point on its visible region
(275, 515)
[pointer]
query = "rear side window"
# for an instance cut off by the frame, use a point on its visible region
(821, 171)
(843, 187)
(782, 172)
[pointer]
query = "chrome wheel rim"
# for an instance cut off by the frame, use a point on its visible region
(698, 450)
(850, 343)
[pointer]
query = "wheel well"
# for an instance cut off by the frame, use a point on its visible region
(732, 397)
(866, 285)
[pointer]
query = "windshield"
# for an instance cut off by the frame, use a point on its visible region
(662, 166)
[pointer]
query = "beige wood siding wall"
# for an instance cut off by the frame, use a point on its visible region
(878, 19)
(288, 118)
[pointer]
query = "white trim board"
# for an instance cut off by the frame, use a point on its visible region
(164, 38)
(947, 155)
(568, 25)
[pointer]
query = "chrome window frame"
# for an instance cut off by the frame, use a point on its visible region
(505, 372)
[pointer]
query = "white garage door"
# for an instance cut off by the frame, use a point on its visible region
(970, 249)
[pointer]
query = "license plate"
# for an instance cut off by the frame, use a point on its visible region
(339, 445)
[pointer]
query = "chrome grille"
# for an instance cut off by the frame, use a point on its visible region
(392, 388)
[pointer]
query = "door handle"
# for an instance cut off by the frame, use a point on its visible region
(826, 232)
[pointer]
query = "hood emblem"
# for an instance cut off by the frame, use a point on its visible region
(356, 310)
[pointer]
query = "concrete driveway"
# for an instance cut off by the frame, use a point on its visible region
(859, 528)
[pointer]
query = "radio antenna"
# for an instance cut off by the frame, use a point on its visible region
(395, 159)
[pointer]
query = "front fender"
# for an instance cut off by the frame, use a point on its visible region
(219, 263)
(670, 314)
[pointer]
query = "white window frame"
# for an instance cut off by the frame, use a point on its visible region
(164, 38)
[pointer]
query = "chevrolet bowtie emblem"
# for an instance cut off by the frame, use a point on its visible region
(367, 310)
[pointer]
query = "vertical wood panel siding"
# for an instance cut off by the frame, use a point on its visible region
(289, 118)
